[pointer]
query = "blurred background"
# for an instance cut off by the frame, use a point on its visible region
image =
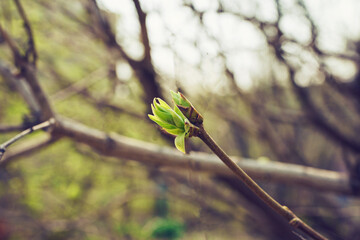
(276, 81)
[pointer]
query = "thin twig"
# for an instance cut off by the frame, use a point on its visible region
(80, 85)
(281, 210)
(26, 148)
(317, 117)
(14, 49)
(6, 144)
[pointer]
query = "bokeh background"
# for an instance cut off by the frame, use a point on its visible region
(276, 81)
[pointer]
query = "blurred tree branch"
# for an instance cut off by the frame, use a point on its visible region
(16, 138)
(30, 54)
(121, 147)
(26, 148)
(143, 68)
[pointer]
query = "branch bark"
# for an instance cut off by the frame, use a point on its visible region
(284, 211)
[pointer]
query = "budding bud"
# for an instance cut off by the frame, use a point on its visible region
(187, 108)
(174, 121)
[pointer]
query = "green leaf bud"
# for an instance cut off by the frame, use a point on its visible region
(187, 108)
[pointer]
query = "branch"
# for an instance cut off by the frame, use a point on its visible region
(144, 68)
(31, 51)
(318, 119)
(31, 78)
(26, 148)
(104, 103)
(28, 71)
(126, 148)
(23, 134)
(22, 87)
(144, 32)
(79, 86)
(240, 173)
(14, 49)
(272, 226)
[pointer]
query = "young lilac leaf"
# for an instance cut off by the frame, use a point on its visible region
(177, 110)
(180, 142)
(163, 103)
(184, 101)
(180, 99)
(179, 122)
(175, 131)
(161, 123)
(175, 97)
(162, 109)
(163, 116)
(187, 109)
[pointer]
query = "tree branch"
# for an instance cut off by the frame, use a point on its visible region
(144, 32)
(254, 187)
(144, 68)
(125, 148)
(31, 51)
(23, 134)
(26, 148)
(317, 118)
(28, 71)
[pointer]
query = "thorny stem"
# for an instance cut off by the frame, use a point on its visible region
(6, 144)
(284, 211)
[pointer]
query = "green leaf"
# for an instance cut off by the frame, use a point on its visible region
(175, 97)
(162, 103)
(179, 122)
(176, 131)
(180, 142)
(161, 123)
(163, 116)
(161, 108)
(177, 110)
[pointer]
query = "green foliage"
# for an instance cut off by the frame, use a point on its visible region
(171, 120)
(167, 229)
(182, 121)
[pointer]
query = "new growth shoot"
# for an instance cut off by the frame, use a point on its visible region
(185, 121)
